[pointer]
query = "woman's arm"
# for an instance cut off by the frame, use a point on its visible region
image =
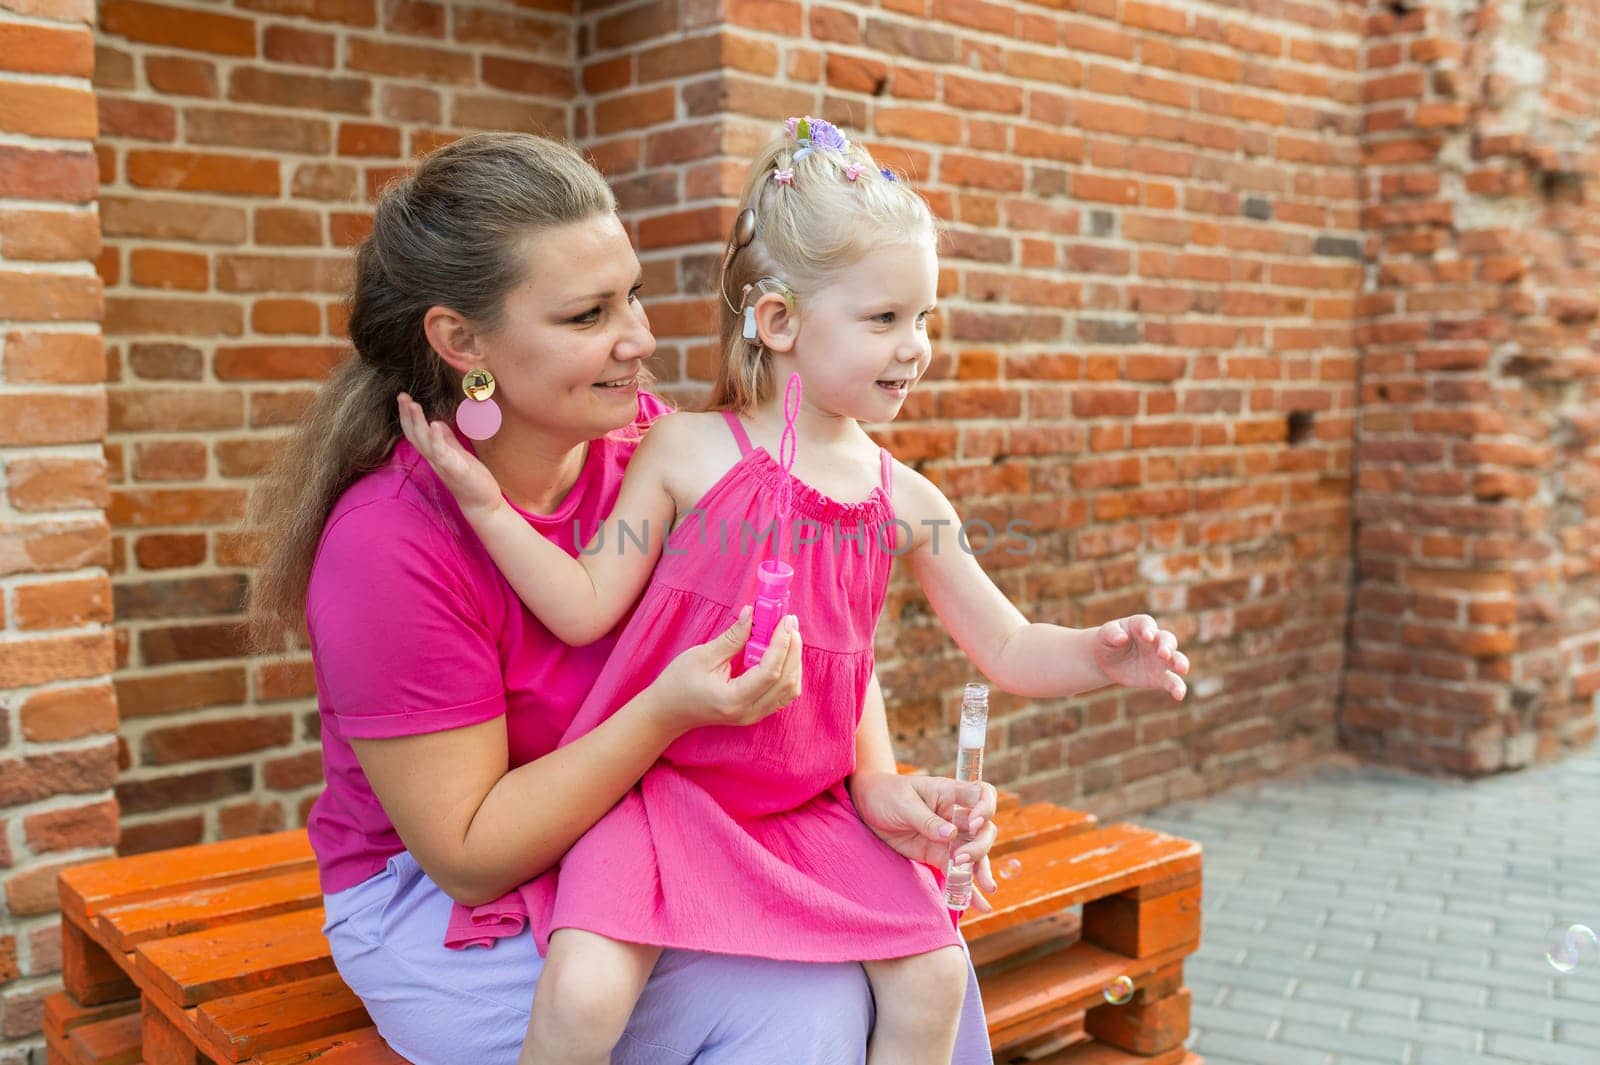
(1032, 659)
(479, 830)
(577, 599)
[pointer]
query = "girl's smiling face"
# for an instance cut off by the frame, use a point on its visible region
(863, 338)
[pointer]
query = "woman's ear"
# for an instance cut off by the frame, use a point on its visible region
(452, 338)
(776, 321)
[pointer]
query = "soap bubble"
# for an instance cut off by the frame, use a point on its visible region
(1567, 948)
(1119, 991)
(1008, 868)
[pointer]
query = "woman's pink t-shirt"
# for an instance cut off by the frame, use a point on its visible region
(413, 629)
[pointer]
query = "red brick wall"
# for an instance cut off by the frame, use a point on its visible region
(57, 716)
(1146, 350)
(241, 146)
(1475, 638)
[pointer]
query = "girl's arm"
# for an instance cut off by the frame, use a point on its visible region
(1037, 659)
(912, 813)
(577, 599)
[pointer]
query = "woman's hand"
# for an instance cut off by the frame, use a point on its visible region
(913, 814)
(698, 687)
(475, 489)
(1138, 653)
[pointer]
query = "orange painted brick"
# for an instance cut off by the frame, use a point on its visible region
(169, 550)
(36, 660)
(195, 171)
(284, 316)
(63, 604)
(505, 112)
(187, 28)
(47, 110)
(174, 506)
(49, 236)
(156, 268)
(170, 409)
(137, 119)
(169, 460)
(36, 49)
(435, 65)
(938, 127)
(91, 825)
(181, 75)
(291, 44)
(35, 484)
(38, 297)
(68, 713)
(276, 362)
(1084, 36)
(531, 36)
(66, 176)
(287, 226)
(367, 139)
(360, 13)
(53, 358)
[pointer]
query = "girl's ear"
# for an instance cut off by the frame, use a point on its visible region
(776, 322)
(452, 338)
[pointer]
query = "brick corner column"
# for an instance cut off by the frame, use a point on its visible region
(58, 718)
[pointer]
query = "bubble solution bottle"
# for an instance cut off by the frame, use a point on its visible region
(772, 600)
(969, 770)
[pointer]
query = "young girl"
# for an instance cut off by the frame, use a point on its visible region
(831, 274)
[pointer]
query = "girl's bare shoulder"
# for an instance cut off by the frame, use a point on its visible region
(693, 450)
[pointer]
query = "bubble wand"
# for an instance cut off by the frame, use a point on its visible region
(969, 770)
(774, 576)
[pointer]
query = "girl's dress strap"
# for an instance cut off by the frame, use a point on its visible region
(887, 462)
(738, 431)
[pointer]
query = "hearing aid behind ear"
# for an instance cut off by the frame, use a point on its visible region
(763, 286)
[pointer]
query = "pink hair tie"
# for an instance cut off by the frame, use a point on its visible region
(783, 177)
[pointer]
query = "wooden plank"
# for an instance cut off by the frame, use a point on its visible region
(363, 1047)
(277, 1017)
(165, 1041)
(1008, 947)
(1097, 1053)
(1059, 985)
(1146, 1028)
(1139, 928)
(1030, 826)
(235, 958)
(86, 888)
(62, 1014)
(109, 1042)
(1082, 868)
(89, 972)
(184, 910)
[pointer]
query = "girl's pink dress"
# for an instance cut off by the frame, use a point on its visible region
(743, 840)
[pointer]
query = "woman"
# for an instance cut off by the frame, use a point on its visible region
(441, 698)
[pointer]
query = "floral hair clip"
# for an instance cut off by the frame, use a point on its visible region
(852, 171)
(783, 177)
(815, 135)
(888, 175)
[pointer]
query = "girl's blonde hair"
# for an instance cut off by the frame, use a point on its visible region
(816, 222)
(453, 233)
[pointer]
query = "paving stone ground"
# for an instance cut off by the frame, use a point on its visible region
(1360, 916)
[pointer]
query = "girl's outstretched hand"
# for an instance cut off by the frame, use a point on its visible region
(468, 479)
(912, 813)
(1137, 653)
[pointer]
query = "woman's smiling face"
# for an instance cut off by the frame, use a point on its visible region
(567, 351)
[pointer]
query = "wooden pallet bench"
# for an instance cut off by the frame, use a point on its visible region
(214, 954)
